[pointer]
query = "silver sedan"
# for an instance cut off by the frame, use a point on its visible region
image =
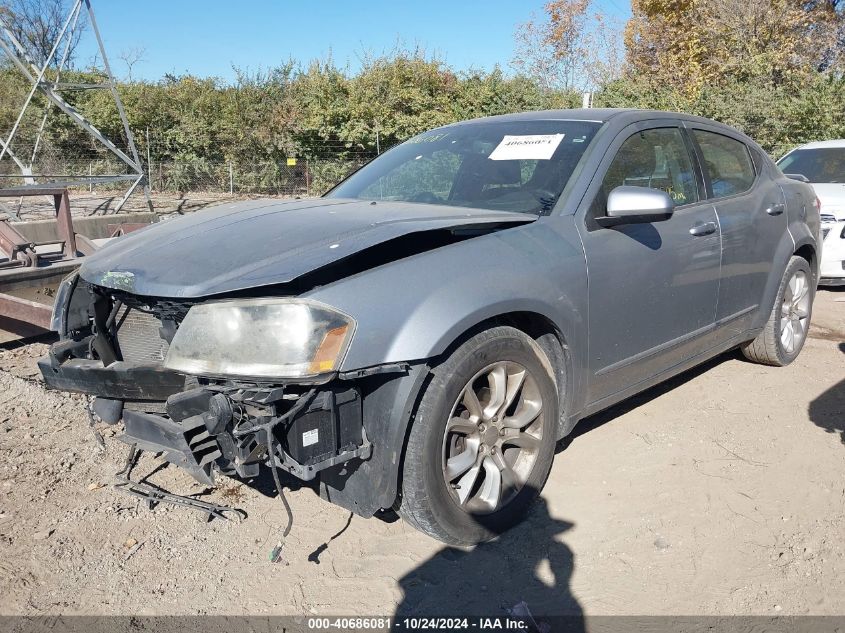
(421, 337)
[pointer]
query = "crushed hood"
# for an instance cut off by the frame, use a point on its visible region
(263, 242)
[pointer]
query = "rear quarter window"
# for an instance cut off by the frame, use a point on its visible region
(727, 162)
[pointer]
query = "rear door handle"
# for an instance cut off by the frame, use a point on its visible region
(703, 228)
(776, 209)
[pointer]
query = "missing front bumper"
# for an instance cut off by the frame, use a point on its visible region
(238, 429)
(222, 426)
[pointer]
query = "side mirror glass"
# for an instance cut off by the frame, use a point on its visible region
(636, 205)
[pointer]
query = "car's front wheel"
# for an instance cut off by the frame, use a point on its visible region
(785, 331)
(482, 441)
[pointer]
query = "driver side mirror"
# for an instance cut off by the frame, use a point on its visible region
(636, 205)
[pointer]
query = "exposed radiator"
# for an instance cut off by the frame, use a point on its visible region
(139, 338)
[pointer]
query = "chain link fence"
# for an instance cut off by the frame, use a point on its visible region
(174, 184)
(98, 179)
(304, 177)
(300, 177)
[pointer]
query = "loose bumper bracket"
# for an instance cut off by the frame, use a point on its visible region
(186, 444)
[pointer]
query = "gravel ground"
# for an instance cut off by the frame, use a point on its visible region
(720, 492)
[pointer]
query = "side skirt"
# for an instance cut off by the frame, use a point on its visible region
(668, 373)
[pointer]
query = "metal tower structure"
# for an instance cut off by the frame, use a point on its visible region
(51, 89)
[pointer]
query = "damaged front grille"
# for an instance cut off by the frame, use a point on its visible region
(143, 326)
(164, 309)
(139, 337)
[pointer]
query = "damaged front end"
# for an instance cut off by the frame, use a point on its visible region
(225, 363)
(125, 351)
(237, 428)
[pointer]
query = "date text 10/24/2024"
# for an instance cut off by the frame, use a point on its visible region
(419, 624)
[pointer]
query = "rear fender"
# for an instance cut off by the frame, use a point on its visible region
(786, 249)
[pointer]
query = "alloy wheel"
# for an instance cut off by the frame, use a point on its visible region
(493, 437)
(795, 312)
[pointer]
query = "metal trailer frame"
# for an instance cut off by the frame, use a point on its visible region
(50, 89)
(38, 269)
(25, 267)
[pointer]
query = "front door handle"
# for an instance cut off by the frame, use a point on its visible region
(776, 209)
(703, 228)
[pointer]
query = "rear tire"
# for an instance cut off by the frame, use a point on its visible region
(786, 329)
(479, 451)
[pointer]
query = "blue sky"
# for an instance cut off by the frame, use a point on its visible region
(208, 37)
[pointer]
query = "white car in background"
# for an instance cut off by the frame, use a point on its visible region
(823, 165)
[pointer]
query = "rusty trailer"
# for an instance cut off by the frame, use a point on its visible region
(36, 255)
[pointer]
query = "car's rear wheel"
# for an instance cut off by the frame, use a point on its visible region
(785, 332)
(482, 440)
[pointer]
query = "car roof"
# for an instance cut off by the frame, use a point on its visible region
(599, 115)
(619, 116)
(824, 144)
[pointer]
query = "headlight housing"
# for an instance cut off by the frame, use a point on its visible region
(261, 338)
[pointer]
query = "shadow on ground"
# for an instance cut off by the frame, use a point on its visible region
(828, 410)
(529, 564)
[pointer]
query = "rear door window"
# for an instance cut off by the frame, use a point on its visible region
(727, 162)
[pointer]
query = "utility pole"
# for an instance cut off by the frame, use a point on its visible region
(149, 162)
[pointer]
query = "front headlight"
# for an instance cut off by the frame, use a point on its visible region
(260, 338)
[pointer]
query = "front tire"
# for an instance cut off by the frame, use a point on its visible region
(785, 332)
(482, 441)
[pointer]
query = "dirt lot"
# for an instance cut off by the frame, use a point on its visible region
(97, 203)
(720, 493)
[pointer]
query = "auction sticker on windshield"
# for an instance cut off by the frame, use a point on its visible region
(527, 147)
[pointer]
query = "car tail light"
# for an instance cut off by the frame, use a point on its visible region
(818, 204)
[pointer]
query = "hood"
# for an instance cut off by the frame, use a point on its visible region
(832, 197)
(263, 242)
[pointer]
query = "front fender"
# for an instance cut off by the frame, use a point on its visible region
(414, 308)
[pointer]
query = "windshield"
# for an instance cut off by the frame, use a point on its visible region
(505, 166)
(824, 164)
